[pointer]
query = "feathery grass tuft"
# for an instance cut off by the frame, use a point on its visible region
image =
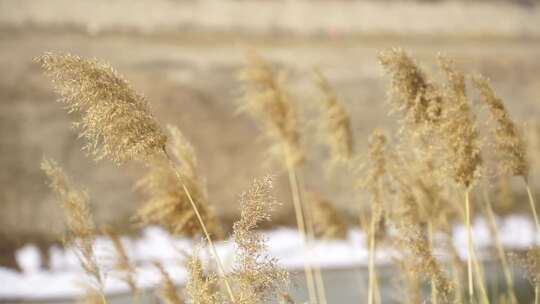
(81, 228)
(413, 93)
(509, 142)
(167, 290)
(265, 98)
(168, 204)
(327, 221)
(258, 276)
(335, 124)
(123, 265)
(201, 288)
(114, 119)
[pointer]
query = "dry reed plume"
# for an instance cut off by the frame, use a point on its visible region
(114, 119)
(168, 204)
(258, 277)
(81, 233)
(167, 290)
(424, 263)
(122, 264)
(373, 182)
(509, 142)
(418, 98)
(265, 98)
(328, 222)
(201, 288)
(335, 123)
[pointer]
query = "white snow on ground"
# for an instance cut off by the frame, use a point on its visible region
(66, 278)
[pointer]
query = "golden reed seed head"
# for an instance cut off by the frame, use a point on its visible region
(530, 261)
(81, 228)
(201, 288)
(419, 254)
(123, 265)
(509, 142)
(92, 296)
(167, 203)
(257, 276)
(167, 290)
(335, 124)
(459, 130)
(114, 119)
(376, 169)
(328, 223)
(265, 99)
(412, 92)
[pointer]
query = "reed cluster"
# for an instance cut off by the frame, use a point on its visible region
(419, 182)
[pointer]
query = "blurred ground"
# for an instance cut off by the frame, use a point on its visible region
(183, 55)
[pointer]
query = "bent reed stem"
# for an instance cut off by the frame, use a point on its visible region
(371, 267)
(319, 282)
(434, 294)
(301, 224)
(469, 245)
(500, 249)
(532, 203)
(221, 269)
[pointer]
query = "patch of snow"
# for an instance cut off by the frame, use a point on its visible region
(66, 278)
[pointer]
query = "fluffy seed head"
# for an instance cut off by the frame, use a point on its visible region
(459, 130)
(509, 142)
(420, 255)
(530, 261)
(81, 228)
(201, 288)
(413, 94)
(168, 204)
(335, 123)
(122, 264)
(258, 277)
(328, 223)
(266, 100)
(167, 290)
(114, 119)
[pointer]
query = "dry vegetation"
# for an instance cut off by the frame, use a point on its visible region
(418, 180)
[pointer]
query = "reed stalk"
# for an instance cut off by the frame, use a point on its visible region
(469, 246)
(498, 245)
(301, 224)
(532, 203)
(219, 263)
(430, 239)
(319, 282)
(371, 266)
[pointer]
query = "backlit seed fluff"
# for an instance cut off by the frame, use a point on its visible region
(509, 142)
(459, 130)
(335, 122)
(114, 119)
(413, 93)
(265, 99)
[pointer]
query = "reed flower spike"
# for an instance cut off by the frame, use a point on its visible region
(335, 123)
(114, 119)
(266, 100)
(81, 228)
(258, 276)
